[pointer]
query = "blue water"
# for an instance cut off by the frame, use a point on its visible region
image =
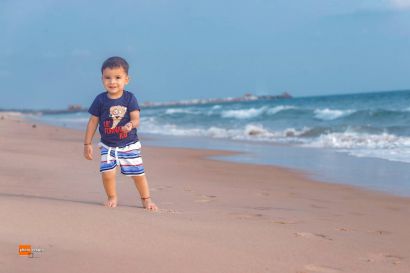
(321, 164)
(369, 129)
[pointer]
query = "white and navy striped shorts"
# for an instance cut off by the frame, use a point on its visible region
(128, 157)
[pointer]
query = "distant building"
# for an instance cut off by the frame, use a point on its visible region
(75, 107)
(249, 96)
(286, 95)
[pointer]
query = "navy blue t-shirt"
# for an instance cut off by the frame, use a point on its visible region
(113, 114)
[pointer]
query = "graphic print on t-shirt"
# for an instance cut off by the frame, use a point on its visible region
(117, 112)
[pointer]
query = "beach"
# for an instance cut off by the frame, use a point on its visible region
(214, 216)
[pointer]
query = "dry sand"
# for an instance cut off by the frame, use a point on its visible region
(214, 216)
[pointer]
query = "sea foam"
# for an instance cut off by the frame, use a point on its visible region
(331, 114)
(243, 113)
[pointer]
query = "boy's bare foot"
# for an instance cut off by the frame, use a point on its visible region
(148, 204)
(111, 202)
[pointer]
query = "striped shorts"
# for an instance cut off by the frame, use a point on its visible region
(128, 157)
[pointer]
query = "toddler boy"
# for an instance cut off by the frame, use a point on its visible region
(117, 114)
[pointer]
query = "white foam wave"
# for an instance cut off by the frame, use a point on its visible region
(259, 131)
(243, 113)
(280, 108)
(331, 114)
(353, 140)
(253, 132)
(383, 146)
(255, 112)
(397, 154)
(214, 110)
(174, 130)
(173, 111)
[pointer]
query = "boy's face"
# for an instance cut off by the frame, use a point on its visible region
(114, 80)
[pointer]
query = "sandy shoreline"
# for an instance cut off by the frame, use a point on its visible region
(215, 216)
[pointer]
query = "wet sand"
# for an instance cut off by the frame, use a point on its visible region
(214, 216)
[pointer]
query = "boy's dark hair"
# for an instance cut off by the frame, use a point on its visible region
(113, 62)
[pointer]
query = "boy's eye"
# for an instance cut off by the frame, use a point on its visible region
(118, 77)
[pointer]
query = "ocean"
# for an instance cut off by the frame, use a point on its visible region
(353, 134)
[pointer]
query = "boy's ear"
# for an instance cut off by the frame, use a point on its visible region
(128, 79)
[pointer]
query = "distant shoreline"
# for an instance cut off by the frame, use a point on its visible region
(79, 109)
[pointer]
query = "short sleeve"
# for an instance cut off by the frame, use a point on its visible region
(95, 108)
(133, 104)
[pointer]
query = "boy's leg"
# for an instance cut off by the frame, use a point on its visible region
(108, 178)
(141, 183)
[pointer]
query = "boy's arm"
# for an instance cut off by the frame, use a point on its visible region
(89, 134)
(135, 118)
(134, 122)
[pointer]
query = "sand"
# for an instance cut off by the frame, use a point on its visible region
(214, 216)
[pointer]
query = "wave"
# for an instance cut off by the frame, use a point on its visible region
(363, 130)
(398, 154)
(173, 111)
(174, 130)
(280, 108)
(259, 131)
(255, 112)
(243, 113)
(331, 114)
(353, 140)
(381, 118)
(383, 146)
(253, 132)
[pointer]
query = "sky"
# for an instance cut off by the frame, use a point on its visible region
(51, 51)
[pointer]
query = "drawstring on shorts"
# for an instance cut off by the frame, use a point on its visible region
(115, 155)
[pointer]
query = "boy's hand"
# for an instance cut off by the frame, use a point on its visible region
(127, 127)
(88, 151)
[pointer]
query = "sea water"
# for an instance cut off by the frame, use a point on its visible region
(360, 139)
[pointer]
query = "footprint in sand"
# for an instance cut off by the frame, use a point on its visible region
(379, 232)
(205, 198)
(345, 229)
(383, 257)
(376, 232)
(312, 235)
(321, 269)
(168, 211)
(317, 206)
(262, 208)
(160, 188)
(246, 216)
(285, 222)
